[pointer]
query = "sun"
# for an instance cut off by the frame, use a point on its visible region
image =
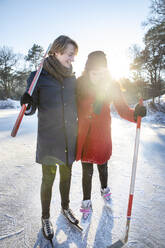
(119, 67)
(118, 64)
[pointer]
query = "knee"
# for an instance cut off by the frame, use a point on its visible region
(87, 170)
(48, 179)
(65, 172)
(48, 175)
(102, 168)
(89, 173)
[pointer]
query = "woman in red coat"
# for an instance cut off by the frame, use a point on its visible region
(95, 92)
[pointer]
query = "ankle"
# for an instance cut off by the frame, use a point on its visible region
(65, 207)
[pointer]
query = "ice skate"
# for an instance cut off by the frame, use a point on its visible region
(106, 195)
(47, 228)
(86, 209)
(71, 218)
(69, 215)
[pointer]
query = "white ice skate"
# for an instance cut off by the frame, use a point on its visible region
(47, 228)
(86, 209)
(106, 195)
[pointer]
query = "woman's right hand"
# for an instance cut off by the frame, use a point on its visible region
(26, 99)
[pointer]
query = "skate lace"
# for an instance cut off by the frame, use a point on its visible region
(70, 214)
(47, 224)
(85, 210)
(107, 195)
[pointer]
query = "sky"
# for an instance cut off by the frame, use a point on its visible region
(111, 26)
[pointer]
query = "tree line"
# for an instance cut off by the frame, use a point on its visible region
(12, 79)
(147, 64)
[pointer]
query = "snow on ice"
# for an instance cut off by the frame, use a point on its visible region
(9, 104)
(20, 178)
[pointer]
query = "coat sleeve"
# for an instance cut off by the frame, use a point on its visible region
(121, 105)
(33, 108)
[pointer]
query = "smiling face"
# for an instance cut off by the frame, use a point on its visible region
(67, 57)
(97, 75)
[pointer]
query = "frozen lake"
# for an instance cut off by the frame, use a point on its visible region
(20, 179)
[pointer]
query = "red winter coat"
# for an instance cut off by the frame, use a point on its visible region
(94, 144)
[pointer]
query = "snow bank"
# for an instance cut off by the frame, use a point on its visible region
(9, 104)
(152, 110)
(156, 111)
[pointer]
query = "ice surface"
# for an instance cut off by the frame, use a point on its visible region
(20, 178)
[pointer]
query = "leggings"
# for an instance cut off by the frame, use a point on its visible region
(48, 176)
(87, 172)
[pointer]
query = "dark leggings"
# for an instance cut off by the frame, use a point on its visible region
(48, 176)
(87, 173)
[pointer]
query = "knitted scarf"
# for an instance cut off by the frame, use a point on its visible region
(56, 69)
(85, 88)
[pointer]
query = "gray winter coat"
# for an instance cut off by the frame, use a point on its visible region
(57, 119)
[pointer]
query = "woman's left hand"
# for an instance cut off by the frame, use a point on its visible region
(139, 111)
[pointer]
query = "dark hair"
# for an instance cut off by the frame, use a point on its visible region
(95, 60)
(60, 44)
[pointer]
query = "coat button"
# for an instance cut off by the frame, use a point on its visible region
(89, 116)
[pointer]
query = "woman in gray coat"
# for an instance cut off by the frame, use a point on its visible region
(54, 97)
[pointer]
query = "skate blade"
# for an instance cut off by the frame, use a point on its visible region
(46, 237)
(76, 226)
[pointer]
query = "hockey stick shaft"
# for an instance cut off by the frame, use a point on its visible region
(30, 92)
(133, 176)
(121, 242)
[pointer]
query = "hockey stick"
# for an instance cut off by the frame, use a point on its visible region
(30, 92)
(121, 242)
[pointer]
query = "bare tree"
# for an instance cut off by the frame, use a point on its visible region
(157, 12)
(8, 62)
(154, 57)
(151, 60)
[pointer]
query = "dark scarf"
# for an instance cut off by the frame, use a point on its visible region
(56, 69)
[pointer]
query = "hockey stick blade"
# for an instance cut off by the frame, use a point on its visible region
(120, 243)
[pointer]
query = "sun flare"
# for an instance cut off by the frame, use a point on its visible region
(118, 65)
